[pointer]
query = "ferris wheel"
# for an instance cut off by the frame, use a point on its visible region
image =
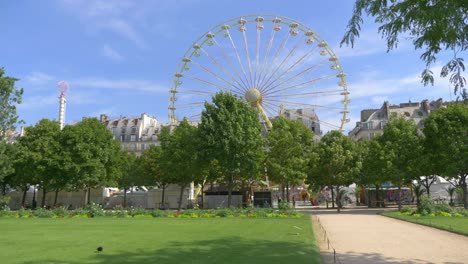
(275, 63)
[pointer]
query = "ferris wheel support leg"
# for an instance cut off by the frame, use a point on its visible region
(265, 117)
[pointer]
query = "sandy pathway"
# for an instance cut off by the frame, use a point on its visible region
(360, 236)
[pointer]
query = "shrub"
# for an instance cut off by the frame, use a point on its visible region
(24, 213)
(80, 211)
(427, 204)
(284, 206)
(158, 213)
(94, 210)
(43, 213)
(5, 211)
(443, 214)
(142, 216)
(61, 211)
(407, 209)
(223, 212)
(137, 211)
(4, 201)
(442, 207)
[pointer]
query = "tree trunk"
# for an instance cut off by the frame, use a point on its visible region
(338, 198)
(377, 196)
(399, 197)
(56, 196)
(287, 192)
(202, 196)
(282, 193)
(181, 196)
(43, 201)
(125, 197)
(464, 191)
(230, 183)
(23, 201)
(428, 187)
(163, 206)
(89, 195)
(333, 197)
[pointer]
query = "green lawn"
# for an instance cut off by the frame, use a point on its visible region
(158, 240)
(454, 224)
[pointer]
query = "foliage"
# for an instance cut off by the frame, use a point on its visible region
(402, 144)
(289, 143)
(231, 134)
(94, 210)
(433, 25)
(335, 162)
(40, 159)
(93, 154)
(10, 97)
(4, 201)
(24, 213)
(61, 211)
(43, 213)
(446, 134)
(7, 158)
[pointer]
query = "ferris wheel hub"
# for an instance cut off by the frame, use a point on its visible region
(253, 96)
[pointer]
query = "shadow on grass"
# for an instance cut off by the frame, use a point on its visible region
(234, 250)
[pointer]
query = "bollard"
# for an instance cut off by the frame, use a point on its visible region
(328, 243)
(334, 256)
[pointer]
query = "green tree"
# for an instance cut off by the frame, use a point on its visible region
(10, 96)
(131, 173)
(182, 151)
(93, 155)
(432, 25)
(40, 156)
(335, 163)
(446, 133)
(155, 169)
(401, 141)
(374, 170)
(7, 158)
(231, 133)
(288, 149)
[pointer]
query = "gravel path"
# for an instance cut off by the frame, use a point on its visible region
(360, 236)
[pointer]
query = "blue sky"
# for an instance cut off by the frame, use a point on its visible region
(119, 57)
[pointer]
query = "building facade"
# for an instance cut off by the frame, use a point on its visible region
(135, 134)
(373, 121)
(307, 116)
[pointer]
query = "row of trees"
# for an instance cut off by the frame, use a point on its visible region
(227, 147)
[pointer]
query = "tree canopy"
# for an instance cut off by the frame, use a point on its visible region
(446, 132)
(432, 25)
(231, 134)
(288, 146)
(10, 96)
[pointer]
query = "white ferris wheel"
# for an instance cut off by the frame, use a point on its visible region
(273, 62)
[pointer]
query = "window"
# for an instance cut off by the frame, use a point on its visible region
(132, 137)
(123, 130)
(142, 146)
(114, 130)
(144, 138)
(133, 131)
(132, 146)
(122, 138)
(154, 137)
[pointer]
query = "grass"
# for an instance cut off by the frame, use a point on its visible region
(162, 240)
(454, 224)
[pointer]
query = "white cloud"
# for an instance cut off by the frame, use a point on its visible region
(111, 53)
(39, 78)
(124, 29)
(124, 84)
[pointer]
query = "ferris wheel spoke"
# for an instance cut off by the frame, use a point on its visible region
(215, 75)
(207, 82)
(198, 92)
(226, 57)
(313, 67)
(298, 62)
(238, 57)
(190, 105)
(223, 70)
(267, 83)
(321, 122)
(278, 51)
(299, 85)
(317, 93)
(273, 108)
(257, 52)
(267, 53)
(246, 46)
(308, 105)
